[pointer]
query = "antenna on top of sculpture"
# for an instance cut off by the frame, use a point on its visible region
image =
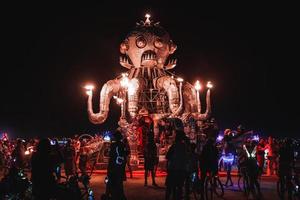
(147, 21)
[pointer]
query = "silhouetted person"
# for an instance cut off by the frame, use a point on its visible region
(272, 156)
(286, 165)
(69, 159)
(176, 167)
(2, 161)
(43, 180)
(208, 161)
(229, 152)
(251, 165)
(211, 129)
(18, 155)
(116, 168)
(57, 157)
(83, 157)
(260, 154)
(192, 167)
(144, 130)
(150, 157)
(127, 146)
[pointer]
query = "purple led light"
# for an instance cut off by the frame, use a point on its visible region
(220, 138)
(255, 137)
(228, 159)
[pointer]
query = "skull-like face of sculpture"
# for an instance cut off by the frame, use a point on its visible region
(146, 46)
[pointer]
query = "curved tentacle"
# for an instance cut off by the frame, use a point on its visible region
(178, 111)
(206, 115)
(108, 90)
(135, 87)
(169, 85)
(189, 96)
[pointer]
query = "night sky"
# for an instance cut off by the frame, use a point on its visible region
(52, 51)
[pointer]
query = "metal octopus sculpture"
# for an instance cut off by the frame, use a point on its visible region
(148, 86)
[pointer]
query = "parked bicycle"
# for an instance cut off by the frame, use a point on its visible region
(243, 181)
(213, 185)
(15, 185)
(72, 189)
(288, 187)
(195, 185)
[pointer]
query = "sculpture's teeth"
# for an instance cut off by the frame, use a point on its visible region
(148, 55)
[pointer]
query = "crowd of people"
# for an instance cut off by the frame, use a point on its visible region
(191, 153)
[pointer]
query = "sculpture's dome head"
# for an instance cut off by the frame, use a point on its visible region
(147, 45)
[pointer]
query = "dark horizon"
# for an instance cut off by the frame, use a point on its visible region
(52, 52)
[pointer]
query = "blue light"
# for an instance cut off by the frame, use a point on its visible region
(228, 158)
(107, 135)
(107, 138)
(91, 195)
(255, 138)
(220, 138)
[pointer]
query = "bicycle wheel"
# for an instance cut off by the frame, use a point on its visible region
(208, 190)
(196, 190)
(240, 183)
(243, 184)
(218, 187)
(197, 195)
(246, 185)
(280, 188)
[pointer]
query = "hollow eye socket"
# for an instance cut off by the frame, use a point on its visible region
(124, 46)
(140, 42)
(158, 43)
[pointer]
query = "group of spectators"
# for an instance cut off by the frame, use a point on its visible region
(44, 159)
(190, 154)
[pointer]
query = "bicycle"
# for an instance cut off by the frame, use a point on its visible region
(15, 185)
(289, 186)
(71, 189)
(243, 181)
(213, 185)
(195, 186)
